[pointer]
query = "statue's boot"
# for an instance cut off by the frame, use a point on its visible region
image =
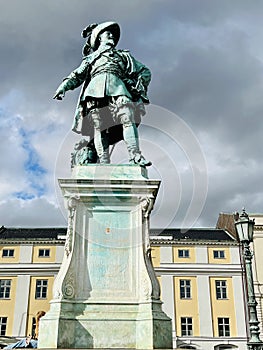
(140, 160)
(130, 135)
(101, 141)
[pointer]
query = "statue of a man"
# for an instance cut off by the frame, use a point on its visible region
(113, 94)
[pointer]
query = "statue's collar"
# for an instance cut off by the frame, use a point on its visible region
(105, 47)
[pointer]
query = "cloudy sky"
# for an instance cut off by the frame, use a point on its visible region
(203, 129)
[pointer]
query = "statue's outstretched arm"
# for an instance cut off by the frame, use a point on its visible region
(72, 81)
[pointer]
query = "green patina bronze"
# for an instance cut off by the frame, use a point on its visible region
(112, 98)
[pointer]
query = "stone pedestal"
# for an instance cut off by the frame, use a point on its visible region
(106, 294)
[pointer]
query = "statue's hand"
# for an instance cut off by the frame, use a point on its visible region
(59, 94)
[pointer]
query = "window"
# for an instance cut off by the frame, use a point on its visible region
(223, 327)
(5, 286)
(3, 323)
(44, 253)
(221, 290)
(219, 254)
(185, 289)
(183, 253)
(41, 289)
(8, 253)
(186, 326)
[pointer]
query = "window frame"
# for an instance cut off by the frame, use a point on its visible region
(44, 250)
(223, 324)
(185, 253)
(219, 252)
(41, 290)
(221, 290)
(3, 325)
(185, 289)
(8, 255)
(188, 330)
(5, 288)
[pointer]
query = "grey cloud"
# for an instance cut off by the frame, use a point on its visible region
(33, 213)
(207, 67)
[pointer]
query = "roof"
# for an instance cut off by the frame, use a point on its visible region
(194, 234)
(226, 221)
(53, 233)
(43, 233)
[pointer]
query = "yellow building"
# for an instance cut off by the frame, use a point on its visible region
(226, 221)
(199, 272)
(29, 260)
(202, 287)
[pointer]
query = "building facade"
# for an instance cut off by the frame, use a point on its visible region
(29, 261)
(257, 265)
(226, 221)
(202, 280)
(199, 270)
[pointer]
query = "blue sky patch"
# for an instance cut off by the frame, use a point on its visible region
(33, 168)
(24, 195)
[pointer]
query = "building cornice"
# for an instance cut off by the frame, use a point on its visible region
(29, 268)
(31, 241)
(215, 340)
(183, 269)
(169, 242)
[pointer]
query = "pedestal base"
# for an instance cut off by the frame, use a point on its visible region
(106, 294)
(88, 326)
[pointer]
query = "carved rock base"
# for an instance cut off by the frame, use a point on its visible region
(106, 294)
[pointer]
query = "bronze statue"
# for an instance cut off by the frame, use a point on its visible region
(113, 95)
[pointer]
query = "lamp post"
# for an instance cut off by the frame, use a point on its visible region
(245, 230)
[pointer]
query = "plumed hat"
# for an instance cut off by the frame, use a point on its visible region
(112, 27)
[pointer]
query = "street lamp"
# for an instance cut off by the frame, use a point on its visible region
(245, 230)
